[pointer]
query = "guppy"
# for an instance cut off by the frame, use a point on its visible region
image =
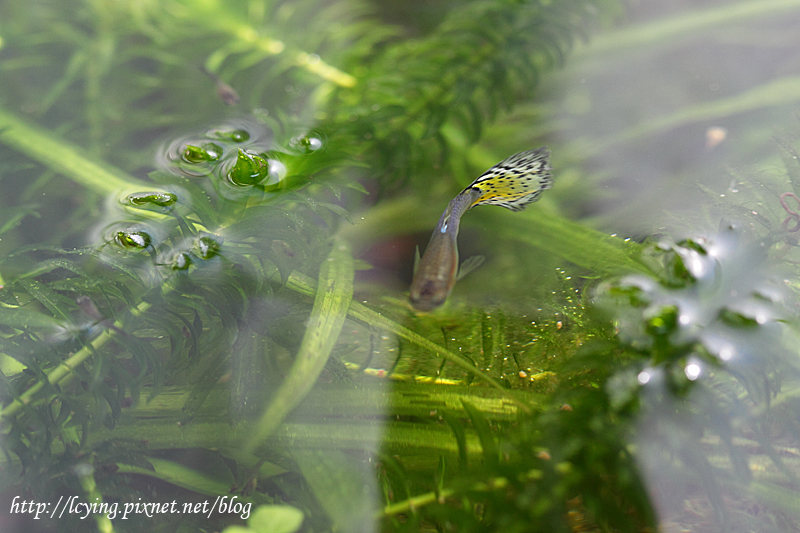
(512, 183)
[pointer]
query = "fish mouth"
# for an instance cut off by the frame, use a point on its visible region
(429, 296)
(424, 303)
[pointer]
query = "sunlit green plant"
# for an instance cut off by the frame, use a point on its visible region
(205, 338)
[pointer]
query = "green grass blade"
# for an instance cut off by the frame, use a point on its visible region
(575, 242)
(687, 23)
(340, 486)
(584, 246)
(491, 454)
(22, 317)
(61, 157)
(182, 476)
(47, 297)
(327, 318)
(303, 284)
(780, 92)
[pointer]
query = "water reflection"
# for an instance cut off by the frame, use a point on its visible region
(731, 340)
(671, 115)
(199, 267)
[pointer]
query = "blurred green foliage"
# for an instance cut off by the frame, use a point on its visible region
(200, 330)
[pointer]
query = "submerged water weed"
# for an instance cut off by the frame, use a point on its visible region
(710, 309)
(203, 270)
(564, 466)
(188, 283)
(716, 348)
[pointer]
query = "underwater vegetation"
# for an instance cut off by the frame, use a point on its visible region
(196, 307)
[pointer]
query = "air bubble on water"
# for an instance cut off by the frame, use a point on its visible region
(692, 371)
(726, 353)
(181, 261)
(143, 199)
(206, 247)
(132, 239)
(276, 171)
(204, 152)
(307, 143)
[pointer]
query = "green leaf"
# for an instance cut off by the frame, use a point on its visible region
(326, 321)
(569, 240)
(274, 519)
(460, 435)
(238, 529)
(441, 471)
(491, 454)
(304, 284)
(249, 371)
(22, 317)
(211, 482)
(53, 301)
(339, 210)
(116, 263)
(61, 157)
(249, 169)
(339, 484)
(357, 186)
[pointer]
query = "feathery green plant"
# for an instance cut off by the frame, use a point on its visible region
(199, 331)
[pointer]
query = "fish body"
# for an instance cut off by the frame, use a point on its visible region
(512, 183)
(437, 270)
(88, 307)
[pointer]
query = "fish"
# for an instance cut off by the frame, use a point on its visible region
(225, 92)
(513, 183)
(88, 307)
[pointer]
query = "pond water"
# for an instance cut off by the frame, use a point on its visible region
(207, 234)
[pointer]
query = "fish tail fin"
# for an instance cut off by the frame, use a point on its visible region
(516, 181)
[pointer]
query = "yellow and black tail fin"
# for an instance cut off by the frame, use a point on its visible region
(516, 181)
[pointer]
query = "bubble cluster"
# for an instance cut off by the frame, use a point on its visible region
(240, 159)
(205, 154)
(238, 162)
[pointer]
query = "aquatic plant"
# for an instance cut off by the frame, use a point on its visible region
(718, 343)
(197, 331)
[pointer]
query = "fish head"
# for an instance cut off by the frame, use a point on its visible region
(430, 294)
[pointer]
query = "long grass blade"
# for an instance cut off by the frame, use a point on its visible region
(327, 318)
